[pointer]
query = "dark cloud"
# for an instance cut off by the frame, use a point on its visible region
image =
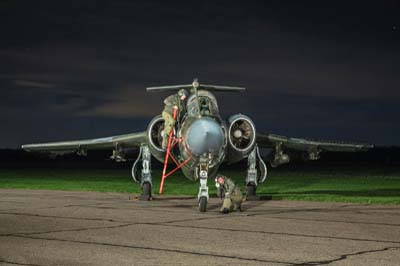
(312, 69)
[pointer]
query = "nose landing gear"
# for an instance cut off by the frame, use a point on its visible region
(202, 173)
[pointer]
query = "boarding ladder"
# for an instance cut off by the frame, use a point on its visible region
(172, 141)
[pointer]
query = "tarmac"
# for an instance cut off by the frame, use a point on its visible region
(39, 227)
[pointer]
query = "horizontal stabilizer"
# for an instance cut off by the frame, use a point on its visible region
(195, 85)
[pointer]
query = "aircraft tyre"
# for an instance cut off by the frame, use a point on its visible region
(203, 204)
(251, 192)
(146, 191)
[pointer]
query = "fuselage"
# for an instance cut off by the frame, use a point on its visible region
(202, 133)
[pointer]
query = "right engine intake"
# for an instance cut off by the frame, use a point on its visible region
(241, 136)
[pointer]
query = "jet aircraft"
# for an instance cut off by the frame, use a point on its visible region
(201, 140)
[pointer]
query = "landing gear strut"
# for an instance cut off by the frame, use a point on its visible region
(253, 176)
(202, 173)
(146, 179)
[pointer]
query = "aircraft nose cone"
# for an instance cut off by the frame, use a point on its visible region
(204, 136)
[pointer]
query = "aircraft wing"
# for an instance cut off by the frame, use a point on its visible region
(80, 146)
(272, 140)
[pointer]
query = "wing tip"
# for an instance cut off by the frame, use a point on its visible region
(366, 147)
(25, 147)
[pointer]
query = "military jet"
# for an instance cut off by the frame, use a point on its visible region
(201, 140)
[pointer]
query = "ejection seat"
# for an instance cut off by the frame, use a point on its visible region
(205, 107)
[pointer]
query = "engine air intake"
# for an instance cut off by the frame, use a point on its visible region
(242, 133)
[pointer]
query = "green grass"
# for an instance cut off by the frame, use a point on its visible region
(325, 184)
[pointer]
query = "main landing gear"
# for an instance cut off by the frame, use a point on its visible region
(145, 173)
(254, 176)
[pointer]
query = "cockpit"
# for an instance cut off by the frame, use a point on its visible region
(204, 104)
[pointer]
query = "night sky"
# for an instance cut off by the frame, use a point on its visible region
(79, 69)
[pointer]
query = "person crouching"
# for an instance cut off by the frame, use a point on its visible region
(233, 197)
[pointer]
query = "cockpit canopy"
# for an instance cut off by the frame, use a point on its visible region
(205, 103)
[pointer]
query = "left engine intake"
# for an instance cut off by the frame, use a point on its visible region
(154, 135)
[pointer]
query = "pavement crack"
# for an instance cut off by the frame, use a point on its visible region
(158, 249)
(171, 224)
(262, 212)
(110, 220)
(330, 221)
(60, 217)
(192, 219)
(344, 256)
(276, 233)
(323, 210)
(197, 219)
(69, 230)
(19, 263)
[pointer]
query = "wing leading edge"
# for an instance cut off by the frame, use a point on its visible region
(126, 140)
(272, 140)
(309, 149)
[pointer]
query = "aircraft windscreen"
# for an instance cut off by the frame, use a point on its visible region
(205, 104)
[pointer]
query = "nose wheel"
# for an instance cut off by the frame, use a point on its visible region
(202, 173)
(203, 204)
(146, 191)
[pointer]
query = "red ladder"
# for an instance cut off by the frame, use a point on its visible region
(172, 141)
